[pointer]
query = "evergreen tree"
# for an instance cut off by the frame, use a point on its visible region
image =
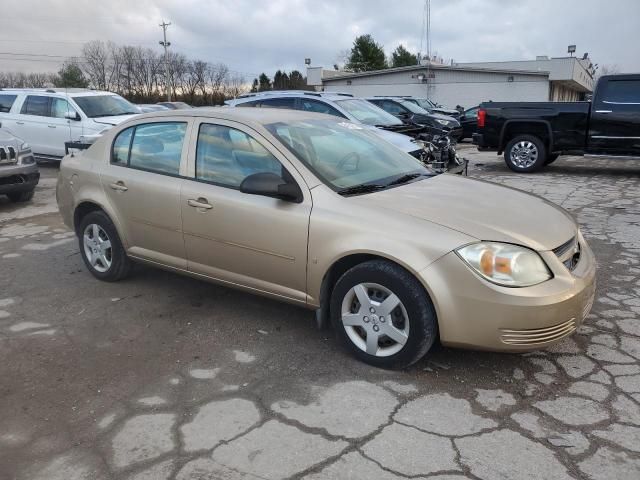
(366, 55)
(70, 76)
(254, 86)
(401, 57)
(264, 82)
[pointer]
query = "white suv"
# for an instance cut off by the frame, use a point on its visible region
(48, 118)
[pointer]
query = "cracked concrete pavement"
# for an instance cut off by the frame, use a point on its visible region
(165, 377)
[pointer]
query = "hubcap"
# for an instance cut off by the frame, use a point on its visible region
(97, 247)
(375, 319)
(524, 154)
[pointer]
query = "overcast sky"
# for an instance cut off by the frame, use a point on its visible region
(256, 36)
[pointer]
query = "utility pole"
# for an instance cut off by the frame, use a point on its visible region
(166, 44)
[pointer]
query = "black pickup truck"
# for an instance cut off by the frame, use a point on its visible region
(534, 134)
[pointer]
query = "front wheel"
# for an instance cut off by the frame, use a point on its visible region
(525, 154)
(383, 314)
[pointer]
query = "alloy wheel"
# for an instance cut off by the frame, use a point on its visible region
(524, 154)
(97, 247)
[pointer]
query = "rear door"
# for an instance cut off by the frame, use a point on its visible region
(143, 181)
(615, 117)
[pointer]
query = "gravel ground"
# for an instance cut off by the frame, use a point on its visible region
(163, 377)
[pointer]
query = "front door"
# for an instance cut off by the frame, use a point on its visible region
(248, 240)
(60, 129)
(615, 118)
(143, 183)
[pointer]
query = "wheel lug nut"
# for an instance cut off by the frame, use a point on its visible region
(366, 319)
(376, 328)
(372, 310)
(382, 319)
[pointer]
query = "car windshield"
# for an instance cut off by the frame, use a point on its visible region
(105, 106)
(412, 107)
(424, 103)
(367, 112)
(347, 157)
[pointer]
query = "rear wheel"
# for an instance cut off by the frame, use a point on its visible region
(525, 154)
(383, 315)
(18, 197)
(101, 248)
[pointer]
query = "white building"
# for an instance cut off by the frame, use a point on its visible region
(468, 84)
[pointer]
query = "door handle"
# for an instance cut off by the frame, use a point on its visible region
(51, 126)
(199, 203)
(19, 123)
(119, 186)
(603, 111)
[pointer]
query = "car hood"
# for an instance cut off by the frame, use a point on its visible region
(479, 209)
(403, 142)
(114, 120)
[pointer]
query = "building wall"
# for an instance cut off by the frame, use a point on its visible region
(448, 87)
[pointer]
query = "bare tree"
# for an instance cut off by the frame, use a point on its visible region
(96, 63)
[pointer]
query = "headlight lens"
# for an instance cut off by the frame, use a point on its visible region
(506, 264)
(442, 122)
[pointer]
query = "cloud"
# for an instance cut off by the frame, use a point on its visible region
(252, 37)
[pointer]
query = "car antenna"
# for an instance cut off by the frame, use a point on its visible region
(66, 94)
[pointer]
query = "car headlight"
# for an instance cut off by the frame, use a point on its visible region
(505, 264)
(442, 122)
(25, 155)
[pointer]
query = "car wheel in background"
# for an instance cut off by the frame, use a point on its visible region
(101, 248)
(18, 197)
(552, 157)
(383, 314)
(525, 154)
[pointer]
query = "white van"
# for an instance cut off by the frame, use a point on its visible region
(47, 118)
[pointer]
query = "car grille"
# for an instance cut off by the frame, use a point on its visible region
(537, 336)
(569, 253)
(8, 155)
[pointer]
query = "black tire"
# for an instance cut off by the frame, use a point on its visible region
(552, 157)
(19, 197)
(121, 265)
(423, 325)
(539, 146)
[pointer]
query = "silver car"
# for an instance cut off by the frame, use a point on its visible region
(343, 105)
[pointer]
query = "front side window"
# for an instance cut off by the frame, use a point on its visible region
(226, 156)
(155, 147)
(309, 105)
(95, 106)
(6, 102)
(36, 105)
(60, 107)
(345, 155)
(367, 112)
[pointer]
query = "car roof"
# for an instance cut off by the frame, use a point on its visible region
(256, 116)
(76, 92)
(331, 96)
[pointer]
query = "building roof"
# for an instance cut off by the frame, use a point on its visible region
(413, 68)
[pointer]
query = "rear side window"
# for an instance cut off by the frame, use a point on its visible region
(309, 105)
(622, 92)
(226, 156)
(155, 147)
(36, 105)
(279, 103)
(121, 146)
(6, 102)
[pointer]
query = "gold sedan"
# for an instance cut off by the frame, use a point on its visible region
(323, 213)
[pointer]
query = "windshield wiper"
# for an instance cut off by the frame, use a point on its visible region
(407, 178)
(363, 188)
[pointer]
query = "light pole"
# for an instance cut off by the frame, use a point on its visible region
(166, 44)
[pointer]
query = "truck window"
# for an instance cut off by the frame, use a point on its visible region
(6, 102)
(36, 105)
(622, 92)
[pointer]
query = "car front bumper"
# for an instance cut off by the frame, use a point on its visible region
(18, 178)
(474, 313)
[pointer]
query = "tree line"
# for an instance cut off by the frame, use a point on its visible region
(138, 74)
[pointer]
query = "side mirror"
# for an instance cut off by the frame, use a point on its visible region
(271, 185)
(72, 115)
